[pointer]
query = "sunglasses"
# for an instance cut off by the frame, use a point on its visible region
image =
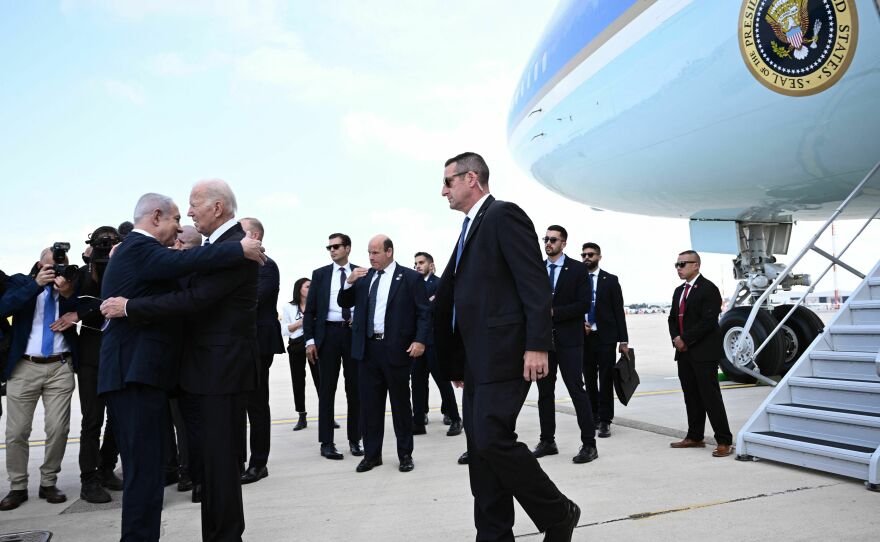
(587, 254)
(335, 246)
(551, 239)
(447, 181)
(681, 265)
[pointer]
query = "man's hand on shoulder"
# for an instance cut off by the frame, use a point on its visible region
(114, 307)
(535, 365)
(357, 273)
(253, 249)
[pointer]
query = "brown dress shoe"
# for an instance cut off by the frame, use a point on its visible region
(688, 443)
(52, 494)
(722, 450)
(13, 499)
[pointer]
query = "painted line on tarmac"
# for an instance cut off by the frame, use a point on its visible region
(649, 515)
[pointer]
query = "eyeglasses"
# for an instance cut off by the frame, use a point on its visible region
(587, 254)
(551, 240)
(334, 246)
(447, 181)
(681, 265)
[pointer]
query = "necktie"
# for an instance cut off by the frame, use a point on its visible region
(458, 252)
(48, 345)
(553, 277)
(207, 241)
(371, 303)
(681, 307)
(346, 312)
(591, 317)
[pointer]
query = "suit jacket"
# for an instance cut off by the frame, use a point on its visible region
(570, 301)
(701, 332)
(501, 297)
(148, 352)
(221, 355)
(610, 316)
(318, 303)
(431, 285)
(19, 301)
(268, 331)
(407, 314)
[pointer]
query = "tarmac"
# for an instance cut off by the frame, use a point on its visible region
(638, 489)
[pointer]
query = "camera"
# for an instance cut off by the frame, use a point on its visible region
(59, 256)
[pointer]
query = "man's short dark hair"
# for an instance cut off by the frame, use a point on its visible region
(593, 246)
(693, 252)
(425, 255)
(562, 231)
(124, 229)
(387, 244)
(471, 161)
(346, 240)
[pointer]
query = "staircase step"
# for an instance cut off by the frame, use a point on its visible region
(845, 365)
(857, 338)
(819, 454)
(874, 287)
(828, 424)
(865, 311)
(849, 394)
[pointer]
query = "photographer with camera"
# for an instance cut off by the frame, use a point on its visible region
(41, 361)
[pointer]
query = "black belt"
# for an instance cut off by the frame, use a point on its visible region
(330, 323)
(51, 359)
(378, 337)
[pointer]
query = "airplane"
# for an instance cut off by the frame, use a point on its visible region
(742, 116)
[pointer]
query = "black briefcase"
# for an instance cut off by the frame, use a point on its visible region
(626, 379)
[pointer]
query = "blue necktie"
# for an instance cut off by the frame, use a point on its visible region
(553, 277)
(371, 304)
(592, 316)
(207, 241)
(346, 312)
(464, 226)
(48, 347)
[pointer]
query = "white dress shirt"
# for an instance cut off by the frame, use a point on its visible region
(35, 341)
(221, 230)
(290, 314)
(560, 259)
(595, 286)
(472, 214)
(382, 296)
(334, 311)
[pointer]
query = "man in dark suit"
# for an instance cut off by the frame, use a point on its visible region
(493, 331)
(139, 356)
(421, 367)
(693, 328)
(270, 343)
(327, 331)
(568, 280)
(392, 322)
(604, 328)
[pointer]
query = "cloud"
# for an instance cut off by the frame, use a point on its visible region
(124, 91)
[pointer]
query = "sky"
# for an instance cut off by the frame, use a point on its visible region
(322, 116)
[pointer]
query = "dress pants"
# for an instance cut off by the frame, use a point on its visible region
(568, 360)
(599, 359)
(93, 455)
(379, 380)
(420, 369)
(139, 415)
(702, 396)
(501, 468)
(176, 442)
(191, 411)
(336, 351)
(296, 352)
(223, 434)
(259, 415)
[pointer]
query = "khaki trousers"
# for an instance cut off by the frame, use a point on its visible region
(28, 382)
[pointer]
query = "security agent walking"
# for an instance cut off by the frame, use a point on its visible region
(493, 331)
(693, 328)
(604, 335)
(327, 331)
(568, 279)
(391, 326)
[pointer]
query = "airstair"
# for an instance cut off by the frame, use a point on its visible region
(825, 413)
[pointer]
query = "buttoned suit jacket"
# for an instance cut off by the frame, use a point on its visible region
(318, 303)
(610, 314)
(700, 332)
(571, 300)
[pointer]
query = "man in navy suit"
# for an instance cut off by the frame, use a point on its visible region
(604, 335)
(391, 327)
(139, 357)
(493, 330)
(327, 331)
(270, 343)
(568, 280)
(424, 264)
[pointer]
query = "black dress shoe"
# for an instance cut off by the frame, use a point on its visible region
(109, 480)
(254, 474)
(92, 492)
(406, 464)
(604, 430)
(419, 430)
(329, 451)
(454, 429)
(563, 531)
(355, 448)
(463, 459)
(171, 478)
(52, 494)
(545, 448)
(197, 493)
(368, 464)
(13, 499)
(587, 454)
(447, 420)
(302, 423)
(185, 483)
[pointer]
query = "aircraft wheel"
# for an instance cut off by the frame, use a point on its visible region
(801, 329)
(771, 357)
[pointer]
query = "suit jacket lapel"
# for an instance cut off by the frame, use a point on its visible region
(395, 284)
(236, 228)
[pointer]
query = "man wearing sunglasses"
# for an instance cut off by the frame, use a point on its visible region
(604, 329)
(327, 331)
(693, 328)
